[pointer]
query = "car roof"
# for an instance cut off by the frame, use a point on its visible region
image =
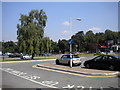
(116, 56)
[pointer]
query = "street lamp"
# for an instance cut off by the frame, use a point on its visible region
(71, 41)
(79, 19)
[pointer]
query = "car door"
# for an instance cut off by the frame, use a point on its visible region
(97, 62)
(104, 62)
(64, 59)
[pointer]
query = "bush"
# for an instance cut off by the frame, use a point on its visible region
(98, 53)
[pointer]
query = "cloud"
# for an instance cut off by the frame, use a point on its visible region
(66, 23)
(95, 29)
(65, 32)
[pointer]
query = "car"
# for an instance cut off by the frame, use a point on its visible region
(44, 54)
(49, 54)
(26, 56)
(65, 59)
(111, 62)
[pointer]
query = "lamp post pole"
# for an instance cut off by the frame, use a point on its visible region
(3, 49)
(71, 41)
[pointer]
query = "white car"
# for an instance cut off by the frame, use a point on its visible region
(26, 56)
(65, 59)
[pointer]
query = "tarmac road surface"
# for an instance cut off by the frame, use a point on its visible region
(23, 75)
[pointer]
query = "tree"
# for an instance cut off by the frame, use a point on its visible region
(78, 39)
(54, 47)
(10, 46)
(45, 45)
(100, 39)
(90, 41)
(31, 31)
(63, 46)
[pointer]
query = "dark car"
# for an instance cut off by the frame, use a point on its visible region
(111, 62)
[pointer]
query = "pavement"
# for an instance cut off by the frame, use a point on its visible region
(78, 70)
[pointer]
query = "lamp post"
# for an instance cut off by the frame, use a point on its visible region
(3, 49)
(71, 41)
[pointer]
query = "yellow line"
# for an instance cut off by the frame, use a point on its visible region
(74, 73)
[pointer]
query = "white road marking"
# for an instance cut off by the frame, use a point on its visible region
(27, 77)
(50, 82)
(80, 87)
(46, 83)
(69, 86)
(90, 88)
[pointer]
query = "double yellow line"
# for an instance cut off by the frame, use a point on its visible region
(81, 75)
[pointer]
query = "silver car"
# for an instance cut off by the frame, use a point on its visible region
(26, 56)
(65, 59)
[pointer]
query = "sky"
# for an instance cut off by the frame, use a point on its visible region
(95, 16)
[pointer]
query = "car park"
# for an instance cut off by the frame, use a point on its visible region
(26, 56)
(65, 59)
(111, 62)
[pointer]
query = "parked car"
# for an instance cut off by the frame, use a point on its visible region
(111, 62)
(26, 56)
(65, 59)
(44, 54)
(15, 55)
(49, 54)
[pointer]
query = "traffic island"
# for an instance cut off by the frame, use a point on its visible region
(78, 70)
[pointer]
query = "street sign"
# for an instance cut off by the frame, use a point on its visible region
(70, 41)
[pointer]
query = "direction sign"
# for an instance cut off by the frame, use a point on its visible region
(70, 41)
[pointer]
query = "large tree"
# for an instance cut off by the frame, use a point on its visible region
(45, 46)
(78, 39)
(63, 46)
(31, 31)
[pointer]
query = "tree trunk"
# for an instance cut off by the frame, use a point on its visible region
(33, 55)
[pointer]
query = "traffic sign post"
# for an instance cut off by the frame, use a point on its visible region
(70, 41)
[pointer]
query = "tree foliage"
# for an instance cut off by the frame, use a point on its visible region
(31, 31)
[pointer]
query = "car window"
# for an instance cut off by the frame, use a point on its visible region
(98, 58)
(75, 56)
(104, 58)
(111, 58)
(66, 56)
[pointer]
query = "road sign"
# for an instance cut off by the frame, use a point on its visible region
(70, 41)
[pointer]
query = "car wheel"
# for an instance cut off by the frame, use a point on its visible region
(111, 67)
(57, 62)
(87, 65)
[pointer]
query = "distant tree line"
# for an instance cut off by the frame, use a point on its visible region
(31, 40)
(89, 41)
(82, 42)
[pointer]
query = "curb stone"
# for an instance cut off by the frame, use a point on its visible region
(84, 73)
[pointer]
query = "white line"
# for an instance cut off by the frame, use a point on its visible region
(29, 79)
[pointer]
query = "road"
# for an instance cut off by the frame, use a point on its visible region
(23, 75)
